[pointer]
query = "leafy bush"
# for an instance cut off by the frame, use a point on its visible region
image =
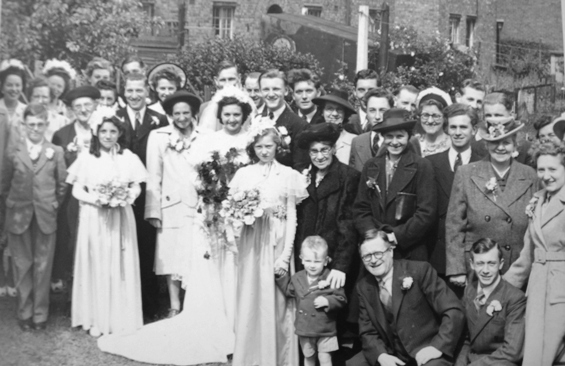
(199, 60)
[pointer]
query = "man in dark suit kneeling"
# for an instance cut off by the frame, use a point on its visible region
(495, 312)
(407, 315)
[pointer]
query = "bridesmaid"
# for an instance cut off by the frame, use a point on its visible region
(165, 79)
(60, 75)
(12, 85)
(264, 317)
(542, 260)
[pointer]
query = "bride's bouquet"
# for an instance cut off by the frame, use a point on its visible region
(114, 194)
(242, 207)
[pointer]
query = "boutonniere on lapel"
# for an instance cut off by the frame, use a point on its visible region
(322, 284)
(531, 207)
(406, 283)
(72, 146)
(49, 153)
(372, 184)
(177, 143)
(154, 121)
(493, 307)
(515, 154)
(306, 174)
(491, 187)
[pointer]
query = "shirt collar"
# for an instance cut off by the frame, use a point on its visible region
(465, 156)
(132, 113)
(386, 281)
(488, 291)
(33, 146)
(277, 113)
(362, 117)
(310, 115)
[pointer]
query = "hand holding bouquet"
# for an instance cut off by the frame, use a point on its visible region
(242, 208)
(114, 194)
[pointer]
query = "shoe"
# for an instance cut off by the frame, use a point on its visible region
(12, 292)
(25, 325)
(94, 332)
(57, 287)
(172, 313)
(3, 291)
(40, 326)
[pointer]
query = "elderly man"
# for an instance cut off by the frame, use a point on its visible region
(407, 314)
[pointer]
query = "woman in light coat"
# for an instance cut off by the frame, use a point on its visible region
(543, 260)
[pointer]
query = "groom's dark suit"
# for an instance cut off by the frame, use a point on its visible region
(426, 314)
(136, 141)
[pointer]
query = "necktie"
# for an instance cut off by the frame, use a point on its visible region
(480, 300)
(458, 162)
(137, 121)
(271, 115)
(305, 117)
(385, 296)
(375, 145)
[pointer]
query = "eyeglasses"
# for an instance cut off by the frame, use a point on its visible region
(325, 152)
(378, 255)
(435, 117)
(35, 126)
(79, 107)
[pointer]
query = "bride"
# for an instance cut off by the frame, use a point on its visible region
(201, 333)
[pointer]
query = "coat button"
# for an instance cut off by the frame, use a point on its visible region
(506, 247)
(487, 218)
(167, 198)
(509, 220)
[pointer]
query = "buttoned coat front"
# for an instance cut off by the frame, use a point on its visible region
(374, 207)
(542, 265)
(475, 213)
(497, 339)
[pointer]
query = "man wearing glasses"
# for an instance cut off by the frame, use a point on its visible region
(407, 314)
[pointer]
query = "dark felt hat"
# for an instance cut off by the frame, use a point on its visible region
(181, 96)
(395, 119)
(559, 127)
(499, 128)
(320, 132)
(335, 96)
(86, 91)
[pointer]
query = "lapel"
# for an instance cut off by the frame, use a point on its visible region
(519, 184)
(146, 124)
(123, 115)
(371, 289)
(554, 208)
(42, 158)
(475, 156)
(377, 171)
(23, 155)
(482, 174)
(365, 147)
(399, 273)
(482, 317)
(311, 188)
(403, 175)
(330, 183)
(471, 311)
(445, 179)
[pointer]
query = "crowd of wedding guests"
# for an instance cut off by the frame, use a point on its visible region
(291, 224)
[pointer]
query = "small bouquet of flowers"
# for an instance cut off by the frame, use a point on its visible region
(114, 194)
(242, 208)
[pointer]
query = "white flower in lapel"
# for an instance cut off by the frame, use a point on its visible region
(406, 283)
(515, 154)
(34, 154)
(322, 284)
(306, 174)
(154, 120)
(49, 153)
(530, 208)
(72, 146)
(372, 184)
(493, 307)
(282, 130)
(491, 187)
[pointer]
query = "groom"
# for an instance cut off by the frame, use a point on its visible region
(407, 315)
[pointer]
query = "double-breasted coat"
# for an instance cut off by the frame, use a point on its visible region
(375, 208)
(496, 340)
(475, 213)
(542, 265)
(444, 176)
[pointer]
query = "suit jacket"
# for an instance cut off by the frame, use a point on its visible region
(136, 141)
(318, 117)
(328, 212)
(343, 146)
(294, 125)
(426, 314)
(63, 137)
(30, 189)
(498, 339)
(444, 181)
(474, 213)
(171, 196)
(374, 208)
(312, 322)
(361, 149)
(354, 125)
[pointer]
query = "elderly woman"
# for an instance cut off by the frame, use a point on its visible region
(488, 199)
(397, 191)
(12, 84)
(337, 110)
(430, 104)
(542, 261)
(165, 79)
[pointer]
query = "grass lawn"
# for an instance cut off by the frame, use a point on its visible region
(59, 345)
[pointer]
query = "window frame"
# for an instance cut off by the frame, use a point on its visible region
(454, 28)
(223, 19)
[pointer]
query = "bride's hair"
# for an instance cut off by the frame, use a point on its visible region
(225, 101)
(95, 141)
(267, 131)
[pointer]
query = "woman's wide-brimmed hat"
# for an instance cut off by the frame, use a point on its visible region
(559, 127)
(433, 93)
(499, 128)
(181, 96)
(395, 119)
(174, 68)
(336, 96)
(85, 91)
(320, 132)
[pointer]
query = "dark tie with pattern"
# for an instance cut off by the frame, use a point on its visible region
(375, 145)
(480, 300)
(271, 115)
(137, 122)
(458, 162)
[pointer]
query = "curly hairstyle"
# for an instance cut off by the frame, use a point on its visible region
(167, 75)
(547, 148)
(225, 101)
(98, 63)
(38, 82)
(95, 141)
(267, 131)
(63, 75)
(12, 70)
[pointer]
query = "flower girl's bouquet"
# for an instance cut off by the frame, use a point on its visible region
(241, 208)
(114, 194)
